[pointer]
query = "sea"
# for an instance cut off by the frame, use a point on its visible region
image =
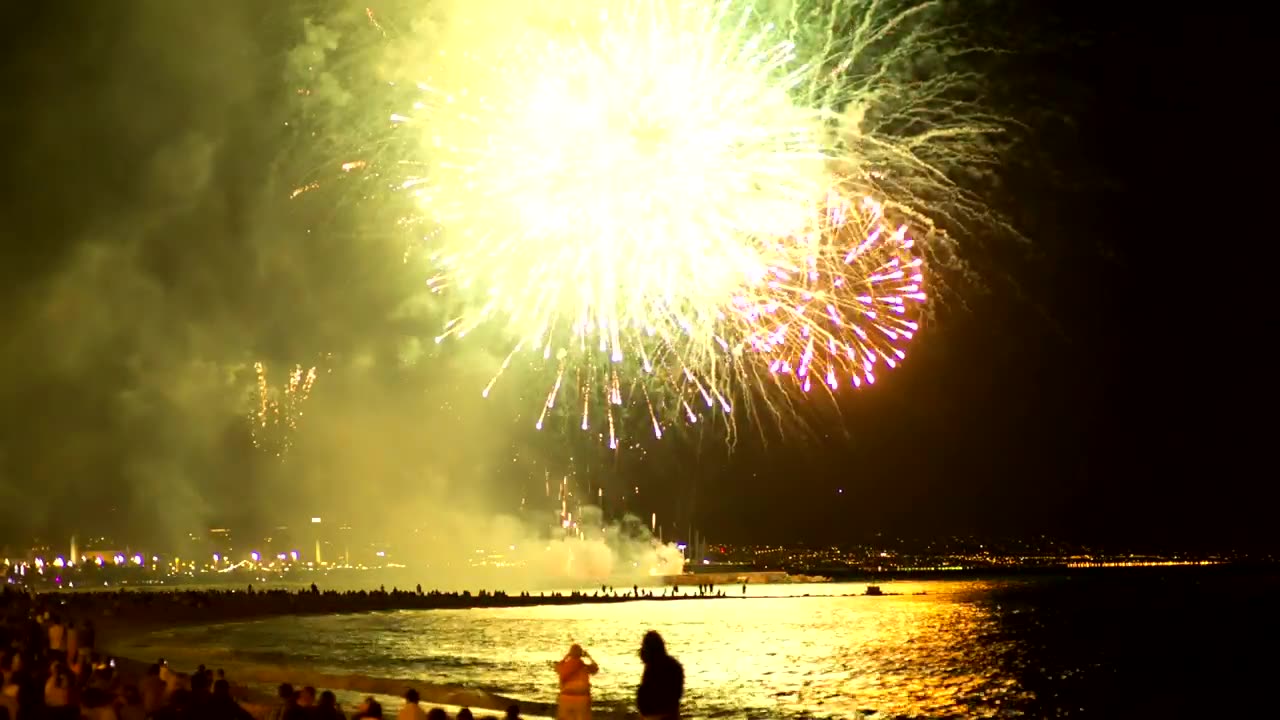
(1137, 642)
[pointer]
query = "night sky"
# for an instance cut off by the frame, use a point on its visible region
(1089, 383)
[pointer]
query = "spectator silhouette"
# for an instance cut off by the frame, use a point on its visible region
(411, 710)
(370, 708)
(288, 708)
(327, 707)
(662, 684)
(223, 706)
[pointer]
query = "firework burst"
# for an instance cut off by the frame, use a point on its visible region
(847, 309)
(278, 409)
(640, 192)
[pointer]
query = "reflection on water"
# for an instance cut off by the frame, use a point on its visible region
(910, 655)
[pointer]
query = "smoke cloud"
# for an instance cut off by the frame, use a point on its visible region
(154, 255)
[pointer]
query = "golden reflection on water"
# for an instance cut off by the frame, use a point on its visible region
(905, 655)
(899, 655)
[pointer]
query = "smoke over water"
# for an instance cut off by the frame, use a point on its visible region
(460, 550)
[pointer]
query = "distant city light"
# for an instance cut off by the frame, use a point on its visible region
(255, 556)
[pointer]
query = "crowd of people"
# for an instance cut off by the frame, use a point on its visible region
(305, 704)
(50, 667)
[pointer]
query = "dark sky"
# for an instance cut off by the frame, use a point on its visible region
(1091, 383)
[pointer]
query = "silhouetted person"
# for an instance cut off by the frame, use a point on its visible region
(513, 712)
(152, 690)
(464, 714)
(437, 714)
(370, 708)
(131, 704)
(96, 704)
(88, 638)
(662, 685)
(223, 706)
(200, 688)
(179, 706)
(411, 710)
(327, 707)
(288, 708)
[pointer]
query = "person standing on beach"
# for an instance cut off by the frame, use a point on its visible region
(575, 671)
(86, 639)
(73, 643)
(662, 684)
(370, 708)
(288, 709)
(411, 710)
(57, 635)
(152, 690)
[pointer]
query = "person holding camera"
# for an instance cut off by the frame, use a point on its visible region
(575, 671)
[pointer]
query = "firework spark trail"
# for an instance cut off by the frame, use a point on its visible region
(847, 309)
(638, 192)
(278, 410)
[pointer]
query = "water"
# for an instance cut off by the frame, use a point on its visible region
(1097, 643)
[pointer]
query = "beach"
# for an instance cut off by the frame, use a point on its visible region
(123, 617)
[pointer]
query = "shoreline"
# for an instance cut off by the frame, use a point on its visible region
(125, 619)
(215, 607)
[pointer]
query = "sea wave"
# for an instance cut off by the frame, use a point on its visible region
(262, 671)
